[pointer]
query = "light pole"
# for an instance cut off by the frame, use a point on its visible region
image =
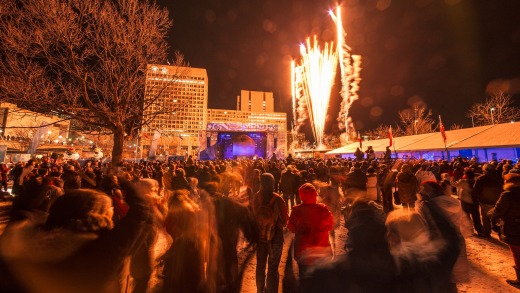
(415, 126)
(492, 118)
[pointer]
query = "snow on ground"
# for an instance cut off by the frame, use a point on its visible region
(490, 263)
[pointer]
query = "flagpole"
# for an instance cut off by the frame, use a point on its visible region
(391, 137)
(443, 133)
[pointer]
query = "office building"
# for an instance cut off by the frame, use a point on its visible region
(253, 101)
(176, 101)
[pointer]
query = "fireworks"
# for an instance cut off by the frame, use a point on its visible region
(312, 81)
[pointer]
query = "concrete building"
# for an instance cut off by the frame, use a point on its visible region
(176, 101)
(253, 101)
(23, 131)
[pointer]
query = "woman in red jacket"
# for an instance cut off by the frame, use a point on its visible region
(311, 223)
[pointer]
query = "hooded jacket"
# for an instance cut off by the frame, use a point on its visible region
(311, 223)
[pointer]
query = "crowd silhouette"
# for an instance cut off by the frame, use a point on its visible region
(93, 227)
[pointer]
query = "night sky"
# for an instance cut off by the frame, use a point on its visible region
(445, 53)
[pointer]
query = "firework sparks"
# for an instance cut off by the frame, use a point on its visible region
(318, 71)
(313, 78)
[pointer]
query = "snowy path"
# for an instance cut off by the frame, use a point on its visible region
(490, 265)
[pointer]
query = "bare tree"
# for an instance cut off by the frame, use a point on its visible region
(495, 109)
(381, 131)
(417, 120)
(456, 126)
(85, 60)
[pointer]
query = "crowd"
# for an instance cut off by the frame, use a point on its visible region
(92, 227)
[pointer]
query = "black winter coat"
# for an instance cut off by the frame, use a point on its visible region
(488, 187)
(356, 179)
(507, 208)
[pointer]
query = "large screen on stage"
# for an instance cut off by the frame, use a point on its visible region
(239, 144)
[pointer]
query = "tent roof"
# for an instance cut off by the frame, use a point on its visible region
(497, 136)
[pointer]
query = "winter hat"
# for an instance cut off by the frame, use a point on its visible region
(308, 193)
(84, 210)
(267, 182)
(405, 168)
(431, 189)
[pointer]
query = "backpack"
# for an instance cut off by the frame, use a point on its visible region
(266, 221)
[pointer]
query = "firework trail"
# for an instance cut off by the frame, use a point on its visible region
(350, 68)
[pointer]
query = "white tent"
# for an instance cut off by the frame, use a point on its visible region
(498, 141)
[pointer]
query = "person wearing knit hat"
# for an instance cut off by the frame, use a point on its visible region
(311, 223)
(271, 216)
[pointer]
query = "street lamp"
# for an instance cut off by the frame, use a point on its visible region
(492, 118)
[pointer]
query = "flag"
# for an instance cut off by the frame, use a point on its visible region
(360, 141)
(390, 136)
(41, 131)
(153, 144)
(443, 130)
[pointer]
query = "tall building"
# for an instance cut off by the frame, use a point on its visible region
(252, 101)
(176, 101)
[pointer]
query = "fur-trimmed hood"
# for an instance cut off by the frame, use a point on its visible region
(511, 186)
(30, 243)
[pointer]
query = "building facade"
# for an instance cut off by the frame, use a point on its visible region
(178, 121)
(254, 101)
(176, 101)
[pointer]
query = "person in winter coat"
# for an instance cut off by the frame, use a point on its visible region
(507, 209)
(355, 185)
(371, 184)
(3, 176)
(27, 169)
(269, 247)
(191, 263)
(332, 197)
(142, 260)
(424, 259)
(367, 266)
(78, 248)
(488, 188)
(407, 187)
(288, 185)
(231, 217)
(311, 223)
(179, 181)
(424, 174)
(386, 179)
(452, 210)
(467, 200)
